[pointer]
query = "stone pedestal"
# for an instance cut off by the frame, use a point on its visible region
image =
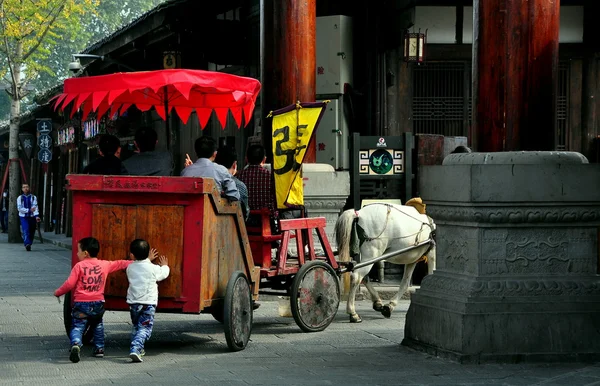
(517, 259)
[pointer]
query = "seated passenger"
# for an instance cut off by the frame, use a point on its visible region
(206, 150)
(259, 182)
(149, 161)
(227, 157)
(108, 163)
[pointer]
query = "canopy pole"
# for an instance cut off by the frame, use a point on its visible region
(167, 125)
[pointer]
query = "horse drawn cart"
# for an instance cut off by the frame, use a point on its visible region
(216, 264)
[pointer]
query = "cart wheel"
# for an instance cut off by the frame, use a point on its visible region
(315, 296)
(237, 315)
(88, 335)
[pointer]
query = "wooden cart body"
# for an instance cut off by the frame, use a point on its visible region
(203, 235)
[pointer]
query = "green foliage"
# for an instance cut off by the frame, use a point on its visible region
(28, 32)
(109, 17)
(50, 65)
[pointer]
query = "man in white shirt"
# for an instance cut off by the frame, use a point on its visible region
(29, 215)
(142, 294)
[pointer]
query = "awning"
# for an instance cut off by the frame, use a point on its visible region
(183, 90)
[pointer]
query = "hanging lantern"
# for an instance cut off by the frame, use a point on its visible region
(414, 46)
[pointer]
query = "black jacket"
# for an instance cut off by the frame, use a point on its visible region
(109, 165)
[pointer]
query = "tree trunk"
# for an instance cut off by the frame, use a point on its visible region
(14, 173)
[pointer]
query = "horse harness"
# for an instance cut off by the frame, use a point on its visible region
(366, 238)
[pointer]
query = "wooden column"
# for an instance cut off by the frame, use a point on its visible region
(515, 67)
(289, 59)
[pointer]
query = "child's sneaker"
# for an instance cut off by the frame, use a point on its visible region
(135, 357)
(74, 357)
(98, 353)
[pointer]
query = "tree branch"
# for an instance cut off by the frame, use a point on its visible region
(48, 16)
(7, 48)
(48, 26)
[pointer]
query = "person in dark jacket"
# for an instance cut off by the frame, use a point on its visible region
(149, 161)
(227, 157)
(108, 163)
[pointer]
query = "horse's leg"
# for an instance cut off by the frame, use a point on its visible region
(377, 303)
(355, 280)
(408, 271)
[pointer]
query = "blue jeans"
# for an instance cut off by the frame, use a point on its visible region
(85, 313)
(142, 319)
(28, 224)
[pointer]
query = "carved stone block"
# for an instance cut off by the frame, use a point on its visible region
(516, 277)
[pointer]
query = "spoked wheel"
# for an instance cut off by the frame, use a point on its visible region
(237, 312)
(315, 296)
(88, 335)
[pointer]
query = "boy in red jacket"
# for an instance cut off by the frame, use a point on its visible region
(88, 278)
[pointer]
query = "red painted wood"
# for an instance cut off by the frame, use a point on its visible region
(325, 243)
(302, 223)
(212, 228)
(300, 246)
(515, 72)
(290, 59)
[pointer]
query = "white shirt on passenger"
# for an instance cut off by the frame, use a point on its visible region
(143, 279)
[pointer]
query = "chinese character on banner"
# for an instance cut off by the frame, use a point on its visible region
(45, 156)
(293, 129)
(26, 140)
(44, 126)
(44, 141)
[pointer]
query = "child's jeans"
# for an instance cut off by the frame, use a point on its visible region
(142, 319)
(85, 313)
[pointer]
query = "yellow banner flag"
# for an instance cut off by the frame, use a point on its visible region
(293, 129)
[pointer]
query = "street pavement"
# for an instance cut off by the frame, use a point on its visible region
(191, 349)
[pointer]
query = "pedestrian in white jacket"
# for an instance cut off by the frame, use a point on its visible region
(142, 294)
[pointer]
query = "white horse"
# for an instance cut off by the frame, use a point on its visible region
(385, 228)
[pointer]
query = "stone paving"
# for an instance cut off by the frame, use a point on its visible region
(191, 349)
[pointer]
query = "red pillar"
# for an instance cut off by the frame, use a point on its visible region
(289, 59)
(515, 66)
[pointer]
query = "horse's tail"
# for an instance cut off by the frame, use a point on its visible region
(343, 228)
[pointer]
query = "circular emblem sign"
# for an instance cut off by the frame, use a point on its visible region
(381, 161)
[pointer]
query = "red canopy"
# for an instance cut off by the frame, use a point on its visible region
(184, 90)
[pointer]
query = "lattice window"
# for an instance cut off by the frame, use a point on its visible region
(442, 101)
(443, 104)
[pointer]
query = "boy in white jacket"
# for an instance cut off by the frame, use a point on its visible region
(142, 294)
